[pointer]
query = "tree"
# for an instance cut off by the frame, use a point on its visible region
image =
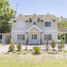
(11, 47)
(6, 13)
(53, 44)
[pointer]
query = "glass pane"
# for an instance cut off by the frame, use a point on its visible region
(0, 36)
(47, 37)
(21, 37)
(34, 36)
(47, 24)
(34, 23)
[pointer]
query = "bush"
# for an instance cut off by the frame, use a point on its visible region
(19, 47)
(60, 45)
(36, 50)
(53, 44)
(11, 47)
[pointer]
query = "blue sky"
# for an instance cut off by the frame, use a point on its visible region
(56, 7)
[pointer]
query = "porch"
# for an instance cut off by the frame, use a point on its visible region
(34, 35)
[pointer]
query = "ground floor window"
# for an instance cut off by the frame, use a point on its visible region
(21, 37)
(34, 36)
(0, 36)
(47, 37)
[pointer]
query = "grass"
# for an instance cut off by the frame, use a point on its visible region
(65, 51)
(30, 60)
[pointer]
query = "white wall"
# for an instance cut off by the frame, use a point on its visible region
(20, 27)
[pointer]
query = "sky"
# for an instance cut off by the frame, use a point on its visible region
(40, 7)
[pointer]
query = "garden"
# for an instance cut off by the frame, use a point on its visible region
(15, 56)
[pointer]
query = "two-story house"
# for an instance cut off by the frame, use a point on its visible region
(34, 29)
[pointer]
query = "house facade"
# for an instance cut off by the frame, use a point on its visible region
(34, 29)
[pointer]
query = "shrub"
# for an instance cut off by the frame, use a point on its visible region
(11, 47)
(53, 44)
(19, 47)
(36, 50)
(60, 45)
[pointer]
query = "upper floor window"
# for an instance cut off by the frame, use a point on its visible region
(47, 24)
(34, 23)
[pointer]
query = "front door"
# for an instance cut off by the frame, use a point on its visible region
(34, 38)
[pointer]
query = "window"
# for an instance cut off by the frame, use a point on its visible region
(0, 36)
(47, 24)
(34, 23)
(34, 36)
(47, 37)
(20, 37)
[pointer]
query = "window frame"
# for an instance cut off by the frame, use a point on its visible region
(47, 25)
(21, 37)
(1, 37)
(34, 36)
(47, 37)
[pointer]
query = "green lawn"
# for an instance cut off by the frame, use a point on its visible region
(29, 60)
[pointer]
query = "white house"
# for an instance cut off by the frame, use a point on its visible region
(34, 29)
